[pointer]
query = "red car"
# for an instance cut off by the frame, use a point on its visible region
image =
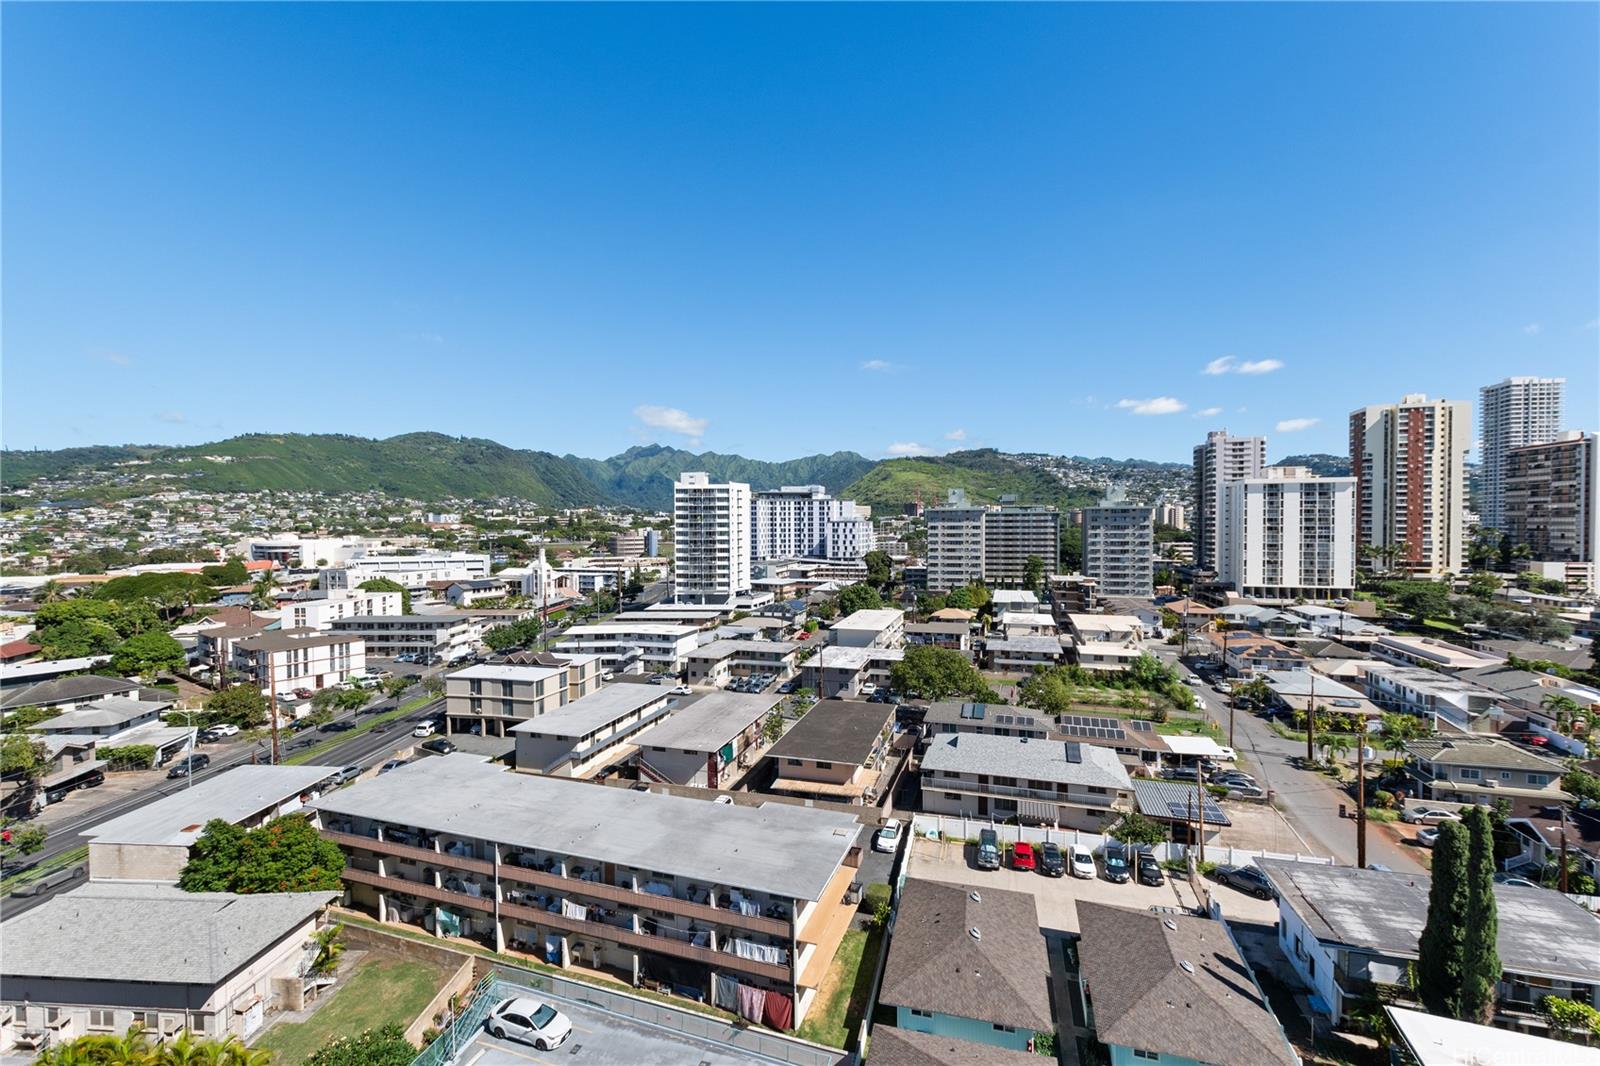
(1022, 856)
(304, 693)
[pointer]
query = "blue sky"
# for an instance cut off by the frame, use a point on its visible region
(782, 230)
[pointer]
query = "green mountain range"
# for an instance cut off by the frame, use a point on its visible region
(433, 466)
(1319, 463)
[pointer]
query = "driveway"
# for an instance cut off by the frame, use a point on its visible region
(1309, 800)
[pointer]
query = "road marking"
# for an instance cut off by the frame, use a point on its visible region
(481, 1053)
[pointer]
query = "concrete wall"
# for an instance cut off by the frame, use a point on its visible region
(136, 862)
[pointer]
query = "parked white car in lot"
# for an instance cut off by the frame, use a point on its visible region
(1427, 814)
(1080, 860)
(529, 1021)
(888, 838)
(426, 729)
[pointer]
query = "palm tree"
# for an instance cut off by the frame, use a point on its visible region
(1336, 744)
(1564, 708)
(51, 592)
(261, 595)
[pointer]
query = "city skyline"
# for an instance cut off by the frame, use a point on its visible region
(1006, 229)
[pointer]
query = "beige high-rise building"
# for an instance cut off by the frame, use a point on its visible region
(1552, 499)
(1409, 460)
(710, 539)
(1219, 460)
(1511, 414)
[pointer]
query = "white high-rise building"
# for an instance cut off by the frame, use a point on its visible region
(955, 543)
(711, 539)
(1219, 460)
(1511, 414)
(1288, 534)
(1409, 460)
(1119, 549)
(1552, 498)
(803, 521)
(1173, 515)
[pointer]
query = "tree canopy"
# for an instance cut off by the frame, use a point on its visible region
(518, 634)
(880, 569)
(940, 674)
(284, 855)
(1480, 959)
(82, 626)
(135, 1048)
(240, 705)
(385, 584)
(859, 597)
(148, 653)
(1441, 950)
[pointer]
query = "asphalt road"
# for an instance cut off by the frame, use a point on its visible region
(1309, 800)
(362, 749)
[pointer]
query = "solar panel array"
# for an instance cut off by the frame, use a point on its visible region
(1139, 725)
(1082, 725)
(975, 711)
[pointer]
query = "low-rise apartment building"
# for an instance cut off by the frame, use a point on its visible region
(658, 646)
(1106, 628)
(1467, 769)
(1438, 697)
(652, 889)
(948, 717)
(1067, 784)
(389, 635)
(591, 732)
(1250, 654)
(714, 742)
(413, 571)
(836, 752)
(282, 660)
(1022, 654)
(490, 698)
(1434, 654)
(320, 612)
(841, 673)
(956, 636)
(882, 628)
(721, 661)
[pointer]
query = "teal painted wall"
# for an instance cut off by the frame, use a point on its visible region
(963, 1029)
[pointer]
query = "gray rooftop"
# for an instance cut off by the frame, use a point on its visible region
(233, 796)
(64, 689)
(892, 1046)
(1541, 932)
(1036, 760)
(936, 964)
(1480, 751)
(722, 649)
(109, 711)
(788, 850)
(1176, 985)
(1031, 644)
(504, 672)
(709, 722)
(994, 714)
(1171, 800)
(835, 731)
(596, 711)
(154, 934)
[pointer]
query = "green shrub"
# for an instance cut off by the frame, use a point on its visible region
(128, 757)
(1375, 814)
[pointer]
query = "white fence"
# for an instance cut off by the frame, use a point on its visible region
(952, 826)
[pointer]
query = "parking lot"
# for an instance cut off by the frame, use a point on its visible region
(604, 1039)
(1056, 897)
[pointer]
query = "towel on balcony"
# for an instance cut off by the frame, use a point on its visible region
(700, 939)
(725, 992)
(749, 949)
(779, 1012)
(656, 888)
(752, 1003)
(570, 909)
(746, 906)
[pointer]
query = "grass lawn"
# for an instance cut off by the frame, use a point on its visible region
(843, 996)
(381, 991)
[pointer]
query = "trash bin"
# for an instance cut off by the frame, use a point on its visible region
(1342, 813)
(852, 895)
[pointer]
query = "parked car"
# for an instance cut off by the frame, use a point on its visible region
(1150, 872)
(683, 690)
(224, 729)
(1247, 879)
(349, 773)
(1242, 791)
(868, 689)
(1428, 814)
(887, 838)
(304, 693)
(529, 1021)
(439, 746)
(1081, 861)
(50, 880)
(988, 850)
(193, 764)
(1180, 773)
(1513, 880)
(1236, 777)
(1052, 863)
(392, 764)
(1022, 856)
(1114, 864)
(1429, 836)
(425, 729)
(1228, 754)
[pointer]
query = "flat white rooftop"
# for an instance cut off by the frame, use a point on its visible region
(872, 620)
(709, 722)
(785, 849)
(595, 711)
(233, 796)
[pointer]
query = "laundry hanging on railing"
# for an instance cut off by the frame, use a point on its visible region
(752, 1003)
(725, 992)
(749, 949)
(779, 1013)
(578, 911)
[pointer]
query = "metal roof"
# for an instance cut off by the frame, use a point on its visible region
(233, 796)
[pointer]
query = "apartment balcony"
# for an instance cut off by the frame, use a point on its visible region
(1074, 799)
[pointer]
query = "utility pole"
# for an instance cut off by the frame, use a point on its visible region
(1233, 699)
(272, 708)
(1361, 798)
(1563, 866)
(1311, 719)
(1200, 809)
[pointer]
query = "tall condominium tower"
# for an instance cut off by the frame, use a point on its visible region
(1515, 412)
(1409, 460)
(1553, 498)
(711, 539)
(1289, 534)
(969, 542)
(797, 521)
(1119, 549)
(1219, 460)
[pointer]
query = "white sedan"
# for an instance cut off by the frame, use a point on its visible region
(529, 1021)
(888, 838)
(1080, 861)
(1422, 814)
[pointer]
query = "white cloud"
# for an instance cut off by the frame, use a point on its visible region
(1208, 412)
(880, 366)
(1160, 405)
(956, 434)
(1260, 366)
(113, 357)
(1593, 323)
(1532, 329)
(672, 420)
(172, 417)
(1294, 425)
(1220, 366)
(903, 448)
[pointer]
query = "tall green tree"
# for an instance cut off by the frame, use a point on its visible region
(148, 653)
(880, 569)
(284, 855)
(940, 674)
(1033, 573)
(240, 705)
(859, 597)
(1441, 951)
(1480, 965)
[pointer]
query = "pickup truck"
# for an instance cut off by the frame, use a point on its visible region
(988, 850)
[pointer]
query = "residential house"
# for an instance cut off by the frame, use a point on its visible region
(720, 661)
(66, 693)
(968, 962)
(1027, 624)
(841, 673)
(119, 722)
(714, 742)
(103, 957)
(893, 1046)
(1023, 654)
(1063, 783)
(490, 698)
(586, 734)
(468, 593)
(836, 752)
(1438, 697)
(1248, 654)
(1172, 988)
(947, 717)
(1347, 932)
(664, 891)
(1474, 769)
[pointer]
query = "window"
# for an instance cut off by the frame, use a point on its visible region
(791, 762)
(102, 1019)
(1004, 1028)
(151, 1020)
(921, 1013)
(952, 796)
(1470, 773)
(824, 766)
(1538, 780)
(1153, 1056)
